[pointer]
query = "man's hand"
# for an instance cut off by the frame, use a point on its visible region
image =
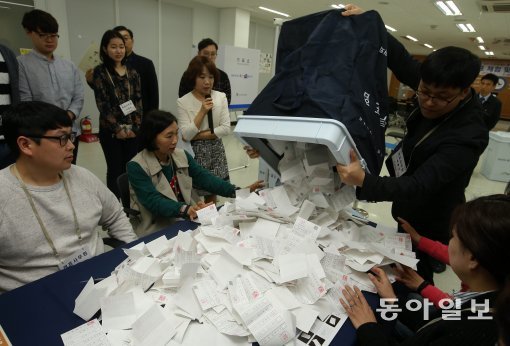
(130, 134)
(257, 185)
(352, 10)
(357, 307)
(381, 283)
(252, 153)
(351, 174)
(408, 277)
(415, 236)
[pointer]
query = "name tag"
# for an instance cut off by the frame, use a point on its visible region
(399, 163)
(77, 257)
(127, 107)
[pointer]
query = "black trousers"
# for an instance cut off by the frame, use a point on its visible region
(75, 151)
(117, 153)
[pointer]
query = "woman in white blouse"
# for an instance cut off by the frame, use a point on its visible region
(204, 119)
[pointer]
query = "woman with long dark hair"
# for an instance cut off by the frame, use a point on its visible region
(117, 90)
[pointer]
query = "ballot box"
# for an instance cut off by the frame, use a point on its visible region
(496, 165)
(318, 138)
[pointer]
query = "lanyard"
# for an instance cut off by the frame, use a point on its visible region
(38, 217)
(114, 89)
(432, 130)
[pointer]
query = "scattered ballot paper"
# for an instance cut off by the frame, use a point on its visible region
(88, 334)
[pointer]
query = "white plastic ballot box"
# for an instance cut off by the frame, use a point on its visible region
(264, 132)
(496, 165)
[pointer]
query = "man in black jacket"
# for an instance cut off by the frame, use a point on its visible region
(490, 103)
(432, 165)
(208, 48)
(146, 70)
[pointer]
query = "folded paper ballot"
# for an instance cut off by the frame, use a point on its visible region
(256, 271)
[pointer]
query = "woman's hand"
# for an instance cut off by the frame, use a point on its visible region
(207, 104)
(192, 211)
(415, 236)
(357, 307)
(257, 185)
(352, 174)
(130, 134)
(121, 134)
(352, 10)
(408, 277)
(88, 75)
(381, 283)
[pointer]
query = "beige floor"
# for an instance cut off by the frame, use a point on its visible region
(244, 171)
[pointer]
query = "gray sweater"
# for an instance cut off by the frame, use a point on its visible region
(25, 255)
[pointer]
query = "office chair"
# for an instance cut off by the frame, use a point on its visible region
(123, 186)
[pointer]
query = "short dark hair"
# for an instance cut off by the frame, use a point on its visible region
(450, 67)
(123, 28)
(206, 42)
(492, 77)
(39, 20)
(483, 227)
(153, 123)
(32, 118)
(107, 36)
(196, 66)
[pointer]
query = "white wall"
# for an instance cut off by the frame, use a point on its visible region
(262, 38)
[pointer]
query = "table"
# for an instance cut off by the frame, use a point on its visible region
(37, 313)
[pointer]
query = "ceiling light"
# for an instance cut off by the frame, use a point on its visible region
(273, 11)
(448, 8)
(466, 27)
(481, 47)
(390, 28)
(412, 38)
(479, 39)
(338, 6)
(15, 3)
(428, 45)
(489, 53)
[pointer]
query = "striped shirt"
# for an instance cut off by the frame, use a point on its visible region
(5, 91)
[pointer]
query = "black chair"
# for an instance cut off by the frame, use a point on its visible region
(123, 186)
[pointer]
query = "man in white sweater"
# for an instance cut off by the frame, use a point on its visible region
(49, 208)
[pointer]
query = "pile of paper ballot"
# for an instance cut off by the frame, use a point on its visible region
(266, 268)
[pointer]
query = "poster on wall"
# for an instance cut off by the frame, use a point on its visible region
(242, 67)
(500, 70)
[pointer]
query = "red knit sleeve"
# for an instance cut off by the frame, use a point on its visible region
(434, 294)
(434, 249)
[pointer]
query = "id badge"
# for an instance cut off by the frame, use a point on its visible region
(127, 107)
(399, 163)
(79, 256)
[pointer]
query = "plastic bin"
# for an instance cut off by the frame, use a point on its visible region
(329, 132)
(496, 165)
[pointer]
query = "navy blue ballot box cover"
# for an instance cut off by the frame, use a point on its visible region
(331, 66)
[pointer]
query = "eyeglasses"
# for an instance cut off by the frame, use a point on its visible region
(440, 101)
(209, 55)
(45, 36)
(62, 139)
